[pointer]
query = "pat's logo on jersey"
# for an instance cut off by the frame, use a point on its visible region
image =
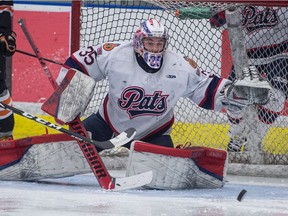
(254, 19)
(137, 103)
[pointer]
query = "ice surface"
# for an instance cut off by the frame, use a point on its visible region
(82, 196)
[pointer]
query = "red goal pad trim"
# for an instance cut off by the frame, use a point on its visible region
(11, 151)
(191, 152)
(209, 160)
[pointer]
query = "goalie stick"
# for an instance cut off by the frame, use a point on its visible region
(117, 141)
(89, 151)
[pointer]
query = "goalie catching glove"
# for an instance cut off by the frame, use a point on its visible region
(252, 89)
(71, 97)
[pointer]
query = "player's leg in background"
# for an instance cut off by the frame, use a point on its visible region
(237, 130)
(276, 73)
(6, 117)
(267, 114)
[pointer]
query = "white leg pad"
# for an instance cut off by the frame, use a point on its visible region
(178, 168)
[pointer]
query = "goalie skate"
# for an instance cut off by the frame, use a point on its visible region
(237, 144)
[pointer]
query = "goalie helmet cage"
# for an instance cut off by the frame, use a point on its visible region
(95, 22)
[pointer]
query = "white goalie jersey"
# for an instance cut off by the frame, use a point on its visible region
(136, 96)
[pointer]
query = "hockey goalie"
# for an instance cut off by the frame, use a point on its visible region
(54, 156)
(145, 82)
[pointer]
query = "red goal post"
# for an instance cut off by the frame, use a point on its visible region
(95, 22)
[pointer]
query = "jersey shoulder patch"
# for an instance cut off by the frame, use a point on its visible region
(110, 46)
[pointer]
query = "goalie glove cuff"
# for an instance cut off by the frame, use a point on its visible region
(232, 99)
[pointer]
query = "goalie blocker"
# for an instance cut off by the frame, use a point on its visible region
(71, 97)
(177, 169)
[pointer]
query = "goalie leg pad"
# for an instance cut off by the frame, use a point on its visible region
(71, 97)
(177, 169)
(49, 156)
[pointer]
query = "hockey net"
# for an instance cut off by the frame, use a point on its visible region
(193, 36)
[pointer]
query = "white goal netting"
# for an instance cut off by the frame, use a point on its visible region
(193, 36)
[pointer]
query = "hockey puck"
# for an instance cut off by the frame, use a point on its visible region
(241, 195)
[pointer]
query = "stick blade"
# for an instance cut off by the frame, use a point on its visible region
(132, 182)
(124, 137)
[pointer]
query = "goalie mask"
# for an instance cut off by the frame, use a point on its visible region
(150, 41)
